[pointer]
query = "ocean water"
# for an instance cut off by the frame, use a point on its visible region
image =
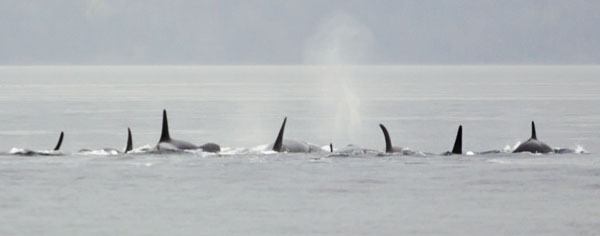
(247, 191)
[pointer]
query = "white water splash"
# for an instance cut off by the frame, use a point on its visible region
(508, 148)
(101, 152)
(15, 150)
(580, 150)
(143, 149)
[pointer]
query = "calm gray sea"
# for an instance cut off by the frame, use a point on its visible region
(243, 191)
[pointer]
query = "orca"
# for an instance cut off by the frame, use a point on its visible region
(457, 148)
(54, 152)
(389, 148)
(166, 143)
(60, 140)
(533, 145)
(128, 147)
(289, 145)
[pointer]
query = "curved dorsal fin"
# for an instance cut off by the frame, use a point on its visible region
(278, 145)
(164, 135)
(457, 149)
(129, 146)
(533, 134)
(388, 141)
(60, 139)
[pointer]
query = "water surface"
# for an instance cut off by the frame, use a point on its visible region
(247, 192)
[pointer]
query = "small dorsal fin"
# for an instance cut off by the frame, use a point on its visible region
(457, 149)
(60, 139)
(129, 146)
(388, 141)
(533, 134)
(164, 135)
(278, 145)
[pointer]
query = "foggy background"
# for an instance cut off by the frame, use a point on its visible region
(299, 32)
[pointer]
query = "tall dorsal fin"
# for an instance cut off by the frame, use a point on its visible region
(60, 139)
(457, 149)
(129, 146)
(533, 134)
(164, 135)
(330, 147)
(278, 145)
(388, 141)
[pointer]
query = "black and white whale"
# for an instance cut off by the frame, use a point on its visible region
(290, 145)
(53, 152)
(389, 148)
(113, 151)
(457, 148)
(533, 145)
(166, 143)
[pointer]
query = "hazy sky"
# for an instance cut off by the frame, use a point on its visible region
(299, 32)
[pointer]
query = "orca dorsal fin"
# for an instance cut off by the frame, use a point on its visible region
(129, 146)
(60, 139)
(330, 147)
(388, 141)
(457, 149)
(533, 134)
(278, 145)
(164, 134)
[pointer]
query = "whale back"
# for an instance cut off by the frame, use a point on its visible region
(278, 145)
(388, 140)
(129, 146)
(296, 146)
(457, 149)
(164, 134)
(533, 145)
(60, 139)
(210, 147)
